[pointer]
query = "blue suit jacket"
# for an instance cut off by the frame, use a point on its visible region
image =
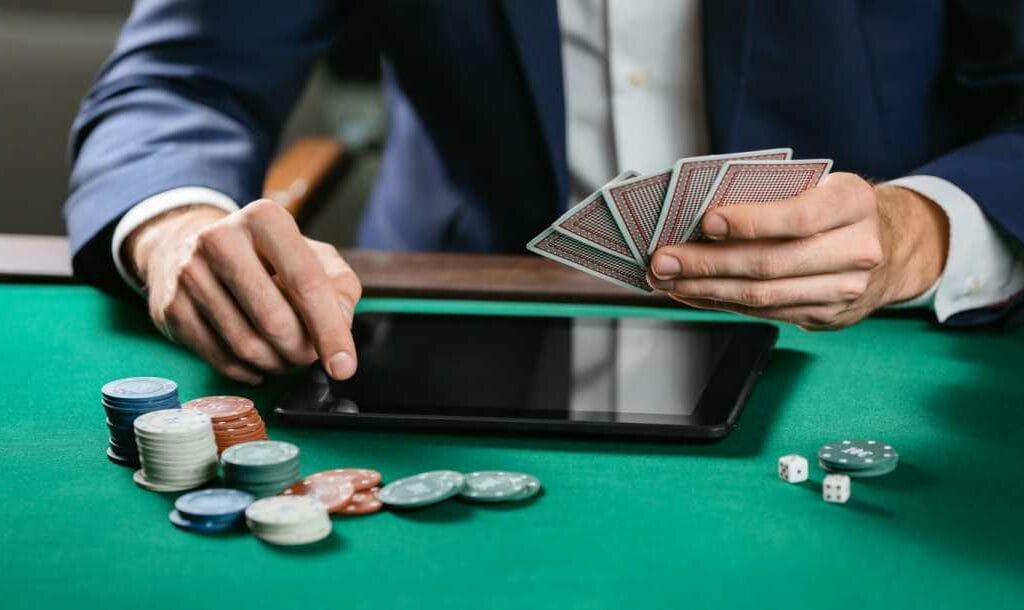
(196, 93)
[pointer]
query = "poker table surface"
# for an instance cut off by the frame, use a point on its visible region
(620, 524)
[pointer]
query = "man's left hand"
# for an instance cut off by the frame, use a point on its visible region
(822, 260)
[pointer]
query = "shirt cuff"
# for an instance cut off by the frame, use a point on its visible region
(983, 267)
(150, 208)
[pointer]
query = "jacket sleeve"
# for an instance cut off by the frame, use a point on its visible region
(986, 55)
(195, 94)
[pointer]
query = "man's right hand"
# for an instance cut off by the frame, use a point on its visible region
(247, 291)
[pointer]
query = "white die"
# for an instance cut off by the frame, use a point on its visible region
(836, 488)
(793, 468)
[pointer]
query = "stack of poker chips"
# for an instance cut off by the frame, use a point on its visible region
(126, 399)
(211, 511)
(235, 419)
(262, 468)
(288, 520)
(176, 449)
(858, 458)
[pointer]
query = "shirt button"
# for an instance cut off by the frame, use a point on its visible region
(637, 78)
(973, 285)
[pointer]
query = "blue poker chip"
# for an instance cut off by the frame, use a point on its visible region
(136, 406)
(202, 527)
(139, 389)
(121, 459)
(142, 406)
(213, 504)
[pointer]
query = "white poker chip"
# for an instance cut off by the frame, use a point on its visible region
(173, 422)
(285, 510)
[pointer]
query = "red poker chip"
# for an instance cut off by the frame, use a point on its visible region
(221, 407)
(362, 479)
(363, 503)
(334, 494)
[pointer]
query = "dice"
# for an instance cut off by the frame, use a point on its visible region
(836, 488)
(793, 468)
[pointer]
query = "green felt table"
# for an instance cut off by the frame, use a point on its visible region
(621, 524)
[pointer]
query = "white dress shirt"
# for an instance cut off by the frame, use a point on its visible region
(637, 102)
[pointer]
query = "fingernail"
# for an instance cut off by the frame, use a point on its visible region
(665, 266)
(341, 365)
(715, 226)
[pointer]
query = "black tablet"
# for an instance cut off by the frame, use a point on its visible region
(636, 377)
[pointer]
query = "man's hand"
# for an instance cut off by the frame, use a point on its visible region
(822, 260)
(247, 291)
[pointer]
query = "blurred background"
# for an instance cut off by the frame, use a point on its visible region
(50, 51)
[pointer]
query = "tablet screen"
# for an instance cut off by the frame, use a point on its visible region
(623, 370)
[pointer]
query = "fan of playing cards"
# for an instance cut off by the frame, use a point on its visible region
(613, 233)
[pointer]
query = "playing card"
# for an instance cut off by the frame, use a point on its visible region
(764, 182)
(591, 223)
(598, 263)
(636, 204)
(691, 180)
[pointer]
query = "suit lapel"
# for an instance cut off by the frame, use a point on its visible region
(726, 38)
(536, 34)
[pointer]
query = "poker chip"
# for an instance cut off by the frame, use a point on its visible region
(211, 511)
(422, 489)
(262, 468)
(363, 503)
(361, 479)
(858, 458)
(176, 449)
(235, 419)
(499, 486)
(860, 472)
(334, 493)
(288, 520)
(134, 389)
(126, 399)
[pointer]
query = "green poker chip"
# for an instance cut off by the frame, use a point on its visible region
(860, 472)
(850, 455)
(530, 490)
(422, 489)
(499, 486)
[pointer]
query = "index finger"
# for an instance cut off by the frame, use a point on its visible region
(840, 200)
(310, 291)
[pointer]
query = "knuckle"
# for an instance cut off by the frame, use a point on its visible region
(321, 246)
(697, 266)
(263, 210)
(305, 281)
(756, 296)
(766, 264)
(190, 274)
(855, 190)
(852, 289)
(745, 226)
(249, 349)
(821, 319)
(277, 324)
(870, 256)
(212, 240)
(807, 218)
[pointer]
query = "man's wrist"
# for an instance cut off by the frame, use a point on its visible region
(173, 225)
(915, 236)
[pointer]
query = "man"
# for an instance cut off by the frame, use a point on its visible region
(503, 112)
